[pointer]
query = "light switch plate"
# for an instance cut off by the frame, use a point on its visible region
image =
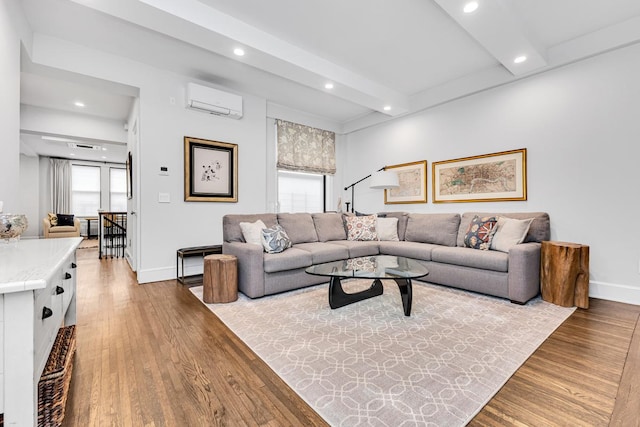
(164, 198)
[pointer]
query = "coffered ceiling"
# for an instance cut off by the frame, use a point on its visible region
(406, 55)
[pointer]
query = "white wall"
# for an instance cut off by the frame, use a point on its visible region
(580, 125)
(29, 194)
(163, 123)
(9, 110)
(57, 122)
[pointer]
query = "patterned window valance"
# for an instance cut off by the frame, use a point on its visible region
(305, 149)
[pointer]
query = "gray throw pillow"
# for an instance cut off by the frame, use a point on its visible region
(275, 239)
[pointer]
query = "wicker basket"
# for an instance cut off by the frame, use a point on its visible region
(56, 376)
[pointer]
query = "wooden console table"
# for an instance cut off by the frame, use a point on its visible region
(183, 253)
(564, 273)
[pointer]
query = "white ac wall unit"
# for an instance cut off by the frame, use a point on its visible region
(213, 101)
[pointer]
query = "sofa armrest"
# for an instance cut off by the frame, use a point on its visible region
(46, 225)
(524, 272)
(250, 267)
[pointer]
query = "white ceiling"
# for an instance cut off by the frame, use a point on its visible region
(409, 54)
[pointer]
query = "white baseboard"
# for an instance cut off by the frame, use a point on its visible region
(602, 290)
(156, 274)
(615, 292)
(166, 273)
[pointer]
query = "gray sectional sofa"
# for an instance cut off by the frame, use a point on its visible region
(437, 240)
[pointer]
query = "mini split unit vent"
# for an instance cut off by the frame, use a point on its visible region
(214, 101)
(84, 146)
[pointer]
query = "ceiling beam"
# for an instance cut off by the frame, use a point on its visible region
(498, 29)
(185, 20)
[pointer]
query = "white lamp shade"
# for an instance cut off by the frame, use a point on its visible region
(384, 180)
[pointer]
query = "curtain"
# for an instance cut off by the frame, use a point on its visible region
(60, 186)
(305, 149)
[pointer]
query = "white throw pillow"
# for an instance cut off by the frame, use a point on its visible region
(252, 231)
(387, 228)
(509, 232)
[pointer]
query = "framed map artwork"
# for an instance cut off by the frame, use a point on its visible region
(487, 178)
(413, 183)
(210, 171)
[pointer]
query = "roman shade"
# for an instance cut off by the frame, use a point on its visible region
(305, 149)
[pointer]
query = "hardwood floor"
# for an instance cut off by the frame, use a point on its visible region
(153, 355)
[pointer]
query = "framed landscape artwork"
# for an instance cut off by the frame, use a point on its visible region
(413, 183)
(210, 171)
(487, 178)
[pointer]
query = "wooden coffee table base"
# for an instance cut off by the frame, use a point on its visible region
(339, 298)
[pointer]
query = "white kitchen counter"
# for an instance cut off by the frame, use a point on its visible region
(28, 264)
(37, 297)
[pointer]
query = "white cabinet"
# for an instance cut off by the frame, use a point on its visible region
(37, 291)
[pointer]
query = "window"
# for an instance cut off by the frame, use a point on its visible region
(300, 192)
(117, 190)
(85, 190)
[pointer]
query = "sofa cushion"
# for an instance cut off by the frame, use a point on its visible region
(324, 252)
(62, 229)
(403, 217)
(358, 248)
(231, 231)
(64, 219)
(329, 226)
(509, 232)
(539, 230)
(467, 257)
(387, 229)
(287, 260)
(299, 227)
(439, 229)
(275, 239)
(361, 227)
(421, 251)
(480, 232)
(252, 231)
(53, 219)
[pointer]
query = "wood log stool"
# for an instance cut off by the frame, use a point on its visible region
(220, 281)
(564, 273)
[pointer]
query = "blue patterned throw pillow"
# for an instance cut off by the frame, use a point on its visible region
(480, 232)
(275, 239)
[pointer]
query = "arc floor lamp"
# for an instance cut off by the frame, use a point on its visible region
(381, 179)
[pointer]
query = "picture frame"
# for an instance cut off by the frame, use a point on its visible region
(210, 171)
(495, 177)
(413, 183)
(129, 173)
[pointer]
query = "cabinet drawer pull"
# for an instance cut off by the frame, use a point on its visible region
(46, 312)
(59, 290)
(73, 265)
(67, 276)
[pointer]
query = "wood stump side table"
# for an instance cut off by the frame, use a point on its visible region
(220, 281)
(564, 273)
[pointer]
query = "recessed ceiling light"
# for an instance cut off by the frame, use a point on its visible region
(104, 157)
(328, 85)
(520, 59)
(79, 104)
(238, 51)
(387, 107)
(72, 154)
(470, 7)
(104, 148)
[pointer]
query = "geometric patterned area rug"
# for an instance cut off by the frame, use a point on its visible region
(368, 364)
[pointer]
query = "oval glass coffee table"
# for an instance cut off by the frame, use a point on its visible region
(377, 268)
